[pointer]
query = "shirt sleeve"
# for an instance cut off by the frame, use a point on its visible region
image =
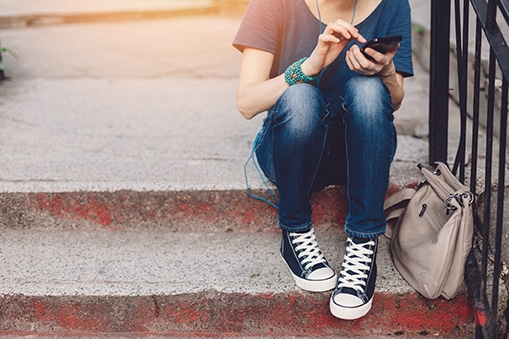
(261, 26)
(403, 25)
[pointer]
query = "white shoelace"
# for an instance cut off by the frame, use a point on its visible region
(307, 248)
(357, 259)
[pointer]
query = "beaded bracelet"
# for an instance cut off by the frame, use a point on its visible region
(294, 74)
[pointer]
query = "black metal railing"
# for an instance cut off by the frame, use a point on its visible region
(483, 71)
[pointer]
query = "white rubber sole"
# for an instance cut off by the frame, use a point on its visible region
(323, 285)
(315, 285)
(349, 313)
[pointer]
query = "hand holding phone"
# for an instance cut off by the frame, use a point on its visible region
(381, 44)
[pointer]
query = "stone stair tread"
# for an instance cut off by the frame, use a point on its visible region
(137, 262)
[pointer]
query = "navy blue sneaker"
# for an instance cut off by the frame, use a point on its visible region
(353, 295)
(308, 266)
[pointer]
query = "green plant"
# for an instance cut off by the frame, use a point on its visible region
(4, 50)
(419, 29)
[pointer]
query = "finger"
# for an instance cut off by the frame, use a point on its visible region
(382, 58)
(391, 53)
(357, 36)
(361, 59)
(354, 33)
(327, 38)
(394, 49)
(371, 53)
(377, 57)
(361, 39)
(352, 61)
(359, 63)
(342, 29)
(348, 62)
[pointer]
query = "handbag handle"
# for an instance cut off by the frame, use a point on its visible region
(442, 180)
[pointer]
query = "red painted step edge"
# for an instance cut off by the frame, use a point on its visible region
(192, 211)
(178, 210)
(214, 314)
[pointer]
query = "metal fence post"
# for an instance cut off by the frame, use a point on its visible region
(439, 79)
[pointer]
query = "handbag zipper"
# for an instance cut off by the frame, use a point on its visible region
(438, 225)
(424, 206)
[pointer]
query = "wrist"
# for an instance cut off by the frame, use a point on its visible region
(308, 69)
(294, 74)
(388, 71)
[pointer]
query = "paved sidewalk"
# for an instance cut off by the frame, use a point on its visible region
(148, 105)
(26, 13)
(10, 8)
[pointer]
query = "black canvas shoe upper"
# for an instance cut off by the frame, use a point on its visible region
(306, 261)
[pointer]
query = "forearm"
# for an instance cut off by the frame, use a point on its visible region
(394, 83)
(257, 95)
(256, 98)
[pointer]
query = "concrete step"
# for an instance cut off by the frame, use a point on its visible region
(160, 282)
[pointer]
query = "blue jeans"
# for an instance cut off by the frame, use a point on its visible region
(302, 147)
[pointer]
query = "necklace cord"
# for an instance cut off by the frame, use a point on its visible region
(320, 14)
(353, 12)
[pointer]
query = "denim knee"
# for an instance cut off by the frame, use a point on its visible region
(300, 109)
(367, 99)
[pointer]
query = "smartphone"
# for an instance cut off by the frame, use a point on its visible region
(382, 44)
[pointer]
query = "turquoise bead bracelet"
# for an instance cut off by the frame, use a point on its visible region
(294, 74)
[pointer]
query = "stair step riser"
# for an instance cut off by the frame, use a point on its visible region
(213, 314)
(190, 211)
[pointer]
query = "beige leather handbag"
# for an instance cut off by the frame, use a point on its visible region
(433, 233)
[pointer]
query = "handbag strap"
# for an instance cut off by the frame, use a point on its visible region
(394, 206)
(399, 197)
(391, 221)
